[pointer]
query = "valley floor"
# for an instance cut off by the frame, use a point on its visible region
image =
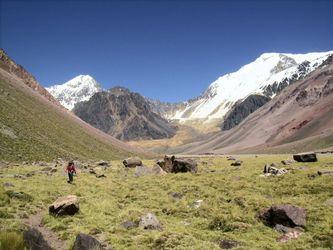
(230, 198)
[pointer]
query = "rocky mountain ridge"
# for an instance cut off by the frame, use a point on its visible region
(124, 114)
(7, 64)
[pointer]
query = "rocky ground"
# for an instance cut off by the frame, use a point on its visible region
(239, 201)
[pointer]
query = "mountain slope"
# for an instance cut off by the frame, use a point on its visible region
(7, 64)
(33, 128)
(299, 118)
(267, 75)
(124, 114)
(79, 89)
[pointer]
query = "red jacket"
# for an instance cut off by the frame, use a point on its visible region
(71, 169)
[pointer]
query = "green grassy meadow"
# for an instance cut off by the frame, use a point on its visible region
(231, 196)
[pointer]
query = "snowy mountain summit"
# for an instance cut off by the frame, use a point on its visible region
(79, 89)
(267, 76)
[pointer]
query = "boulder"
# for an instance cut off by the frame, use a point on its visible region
(143, 171)
(325, 172)
(157, 170)
(34, 240)
(237, 163)
(286, 215)
(67, 205)
(150, 222)
(270, 170)
(176, 195)
(228, 244)
(177, 165)
(86, 242)
(132, 162)
(305, 157)
(103, 163)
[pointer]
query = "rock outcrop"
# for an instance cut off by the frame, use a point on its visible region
(34, 240)
(242, 109)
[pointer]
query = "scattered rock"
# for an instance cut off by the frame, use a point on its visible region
(305, 157)
(270, 170)
(237, 163)
(19, 195)
(103, 163)
(8, 184)
(128, 224)
(325, 172)
(287, 162)
(292, 234)
(282, 229)
(100, 175)
(329, 202)
(173, 165)
(86, 242)
(286, 215)
(132, 162)
(231, 158)
(228, 244)
(67, 205)
(34, 240)
(197, 203)
(149, 221)
(176, 195)
(19, 176)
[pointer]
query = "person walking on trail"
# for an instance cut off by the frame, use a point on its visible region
(70, 169)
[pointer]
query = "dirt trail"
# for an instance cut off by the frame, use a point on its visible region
(51, 237)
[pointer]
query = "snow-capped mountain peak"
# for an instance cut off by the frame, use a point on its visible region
(78, 89)
(266, 75)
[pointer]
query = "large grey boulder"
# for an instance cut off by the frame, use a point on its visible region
(132, 162)
(177, 165)
(86, 242)
(67, 205)
(34, 240)
(285, 214)
(305, 157)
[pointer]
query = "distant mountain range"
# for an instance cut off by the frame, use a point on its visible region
(298, 118)
(228, 101)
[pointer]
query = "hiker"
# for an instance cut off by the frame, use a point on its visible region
(70, 169)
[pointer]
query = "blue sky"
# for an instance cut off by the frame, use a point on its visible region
(168, 50)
